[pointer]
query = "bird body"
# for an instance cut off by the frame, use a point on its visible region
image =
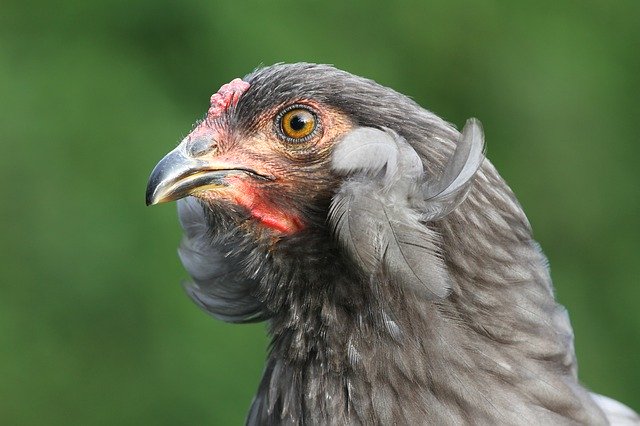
(395, 267)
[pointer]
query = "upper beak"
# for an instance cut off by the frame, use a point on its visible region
(178, 175)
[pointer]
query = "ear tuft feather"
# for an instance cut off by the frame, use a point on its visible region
(367, 150)
(371, 215)
(444, 194)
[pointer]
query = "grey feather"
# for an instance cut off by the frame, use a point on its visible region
(444, 194)
(367, 150)
(218, 285)
(371, 213)
(370, 150)
(617, 413)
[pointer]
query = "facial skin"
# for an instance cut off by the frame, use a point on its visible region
(275, 170)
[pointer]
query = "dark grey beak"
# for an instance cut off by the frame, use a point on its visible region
(178, 175)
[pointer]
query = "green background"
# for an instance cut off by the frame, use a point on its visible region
(94, 326)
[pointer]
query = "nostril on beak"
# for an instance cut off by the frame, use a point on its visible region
(200, 146)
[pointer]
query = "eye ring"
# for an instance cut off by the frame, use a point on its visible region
(297, 124)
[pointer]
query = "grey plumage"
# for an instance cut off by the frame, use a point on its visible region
(415, 295)
(372, 215)
(379, 214)
(446, 193)
(218, 284)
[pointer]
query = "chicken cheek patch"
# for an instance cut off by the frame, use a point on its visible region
(226, 96)
(268, 214)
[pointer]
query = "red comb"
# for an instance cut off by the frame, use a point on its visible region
(228, 95)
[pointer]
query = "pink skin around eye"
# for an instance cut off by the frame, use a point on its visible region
(227, 96)
(248, 196)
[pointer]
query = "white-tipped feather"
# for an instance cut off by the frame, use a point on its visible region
(616, 412)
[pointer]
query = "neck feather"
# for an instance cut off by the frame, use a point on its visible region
(349, 349)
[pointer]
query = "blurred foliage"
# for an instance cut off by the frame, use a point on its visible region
(94, 327)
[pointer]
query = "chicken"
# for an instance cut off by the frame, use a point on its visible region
(395, 267)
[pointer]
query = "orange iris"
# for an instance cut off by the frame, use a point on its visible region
(298, 123)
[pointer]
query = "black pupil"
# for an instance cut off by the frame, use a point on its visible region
(298, 122)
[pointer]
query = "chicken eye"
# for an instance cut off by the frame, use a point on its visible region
(297, 124)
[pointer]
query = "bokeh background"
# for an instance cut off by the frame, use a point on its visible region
(94, 327)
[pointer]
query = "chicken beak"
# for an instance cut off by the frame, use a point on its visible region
(178, 175)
